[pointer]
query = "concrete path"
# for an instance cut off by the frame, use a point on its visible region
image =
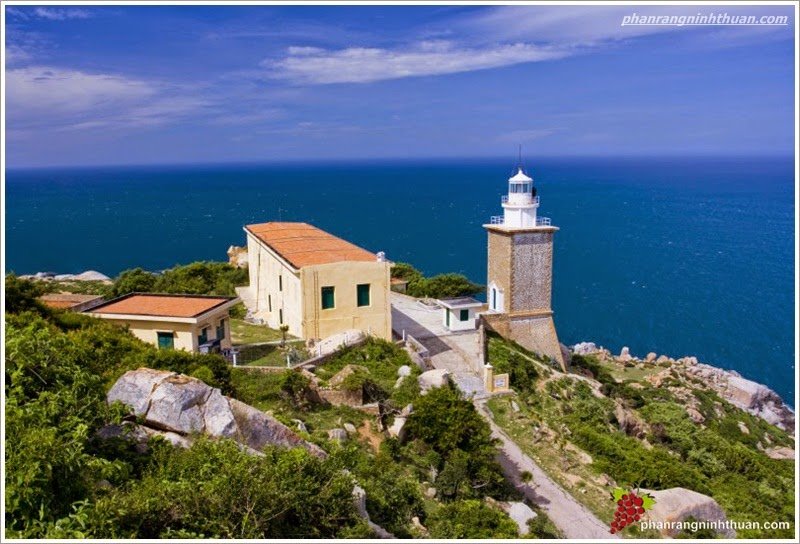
(458, 353)
(572, 518)
(455, 351)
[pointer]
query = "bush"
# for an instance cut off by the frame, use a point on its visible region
(471, 519)
(439, 286)
(200, 278)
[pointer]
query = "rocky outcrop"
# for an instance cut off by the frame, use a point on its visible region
(745, 394)
(237, 256)
(629, 423)
(397, 428)
(89, 275)
(678, 504)
(433, 378)
(178, 407)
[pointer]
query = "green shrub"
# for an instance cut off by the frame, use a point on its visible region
(471, 519)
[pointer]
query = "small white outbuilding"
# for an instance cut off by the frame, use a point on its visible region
(458, 314)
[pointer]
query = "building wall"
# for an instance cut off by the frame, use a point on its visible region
(521, 262)
(499, 264)
(531, 271)
(346, 314)
(185, 334)
(455, 320)
(267, 290)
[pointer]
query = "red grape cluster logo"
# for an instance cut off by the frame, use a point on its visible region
(631, 506)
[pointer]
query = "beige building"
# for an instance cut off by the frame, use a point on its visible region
(188, 322)
(315, 283)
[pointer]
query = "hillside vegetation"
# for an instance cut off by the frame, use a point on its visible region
(64, 481)
(605, 424)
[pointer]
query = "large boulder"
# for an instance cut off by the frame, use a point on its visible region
(521, 513)
(584, 348)
(628, 422)
(678, 504)
(759, 400)
(433, 378)
(177, 407)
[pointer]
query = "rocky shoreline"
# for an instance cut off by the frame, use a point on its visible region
(752, 397)
(89, 275)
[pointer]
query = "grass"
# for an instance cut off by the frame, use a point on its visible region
(96, 287)
(243, 332)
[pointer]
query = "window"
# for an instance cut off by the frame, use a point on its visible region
(280, 282)
(166, 340)
(464, 315)
(280, 316)
(494, 298)
(221, 330)
(447, 317)
(362, 294)
(202, 338)
(269, 302)
(328, 298)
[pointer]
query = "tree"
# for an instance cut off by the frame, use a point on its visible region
(135, 280)
(22, 295)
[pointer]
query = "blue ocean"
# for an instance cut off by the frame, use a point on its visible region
(682, 256)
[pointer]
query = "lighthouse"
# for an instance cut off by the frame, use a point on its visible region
(520, 270)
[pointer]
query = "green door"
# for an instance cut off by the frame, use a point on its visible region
(166, 340)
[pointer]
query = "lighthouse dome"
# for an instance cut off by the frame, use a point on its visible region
(520, 177)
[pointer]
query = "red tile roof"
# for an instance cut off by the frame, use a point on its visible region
(67, 300)
(302, 244)
(161, 305)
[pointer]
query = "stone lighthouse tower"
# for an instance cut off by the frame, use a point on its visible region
(520, 277)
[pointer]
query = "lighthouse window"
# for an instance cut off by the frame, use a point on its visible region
(464, 315)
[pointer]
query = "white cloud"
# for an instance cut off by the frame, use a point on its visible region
(597, 25)
(59, 14)
(311, 65)
(39, 97)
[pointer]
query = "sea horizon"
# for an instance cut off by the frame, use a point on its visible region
(653, 253)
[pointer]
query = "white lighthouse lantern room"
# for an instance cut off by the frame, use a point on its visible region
(520, 204)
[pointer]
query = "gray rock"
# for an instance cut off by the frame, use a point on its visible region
(625, 354)
(433, 378)
(91, 275)
(174, 405)
(397, 428)
(404, 371)
(350, 428)
(782, 452)
(337, 435)
(663, 359)
(417, 524)
(743, 427)
(628, 422)
(300, 425)
(677, 504)
(650, 357)
(177, 405)
(430, 492)
(257, 430)
(407, 410)
(584, 348)
(514, 406)
(135, 387)
(521, 513)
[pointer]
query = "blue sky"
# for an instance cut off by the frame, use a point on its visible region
(179, 84)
